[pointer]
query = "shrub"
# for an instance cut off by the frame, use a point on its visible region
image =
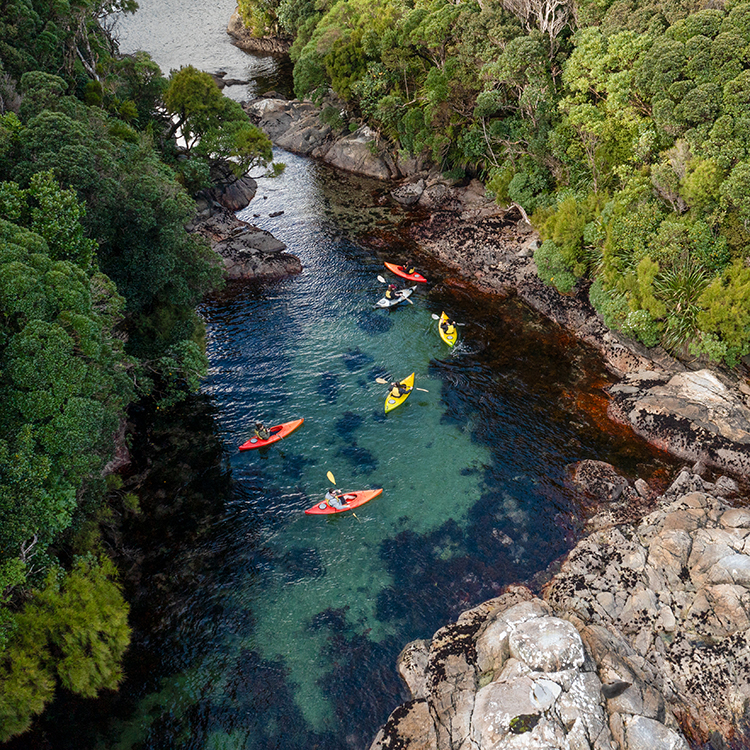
(553, 269)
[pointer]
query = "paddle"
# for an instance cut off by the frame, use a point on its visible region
(332, 480)
(383, 281)
(437, 317)
(383, 381)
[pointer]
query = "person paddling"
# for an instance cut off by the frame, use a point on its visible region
(399, 389)
(336, 499)
(448, 326)
(390, 293)
(261, 431)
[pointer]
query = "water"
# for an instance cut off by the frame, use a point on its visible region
(177, 33)
(257, 626)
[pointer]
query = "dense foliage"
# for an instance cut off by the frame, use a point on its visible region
(621, 125)
(98, 285)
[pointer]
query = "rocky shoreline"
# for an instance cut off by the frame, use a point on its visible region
(640, 642)
(247, 252)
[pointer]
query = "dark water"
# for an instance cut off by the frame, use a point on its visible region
(257, 626)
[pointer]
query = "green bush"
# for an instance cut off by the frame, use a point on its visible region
(553, 269)
(640, 325)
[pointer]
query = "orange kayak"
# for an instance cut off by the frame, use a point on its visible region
(277, 432)
(401, 271)
(352, 499)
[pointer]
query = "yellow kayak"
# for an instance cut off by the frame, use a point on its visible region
(450, 336)
(391, 401)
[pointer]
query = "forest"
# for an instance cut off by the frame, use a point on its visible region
(620, 126)
(99, 281)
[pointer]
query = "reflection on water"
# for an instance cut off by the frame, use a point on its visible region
(177, 33)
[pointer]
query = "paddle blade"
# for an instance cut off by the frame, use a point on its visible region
(435, 317)
(331, 478)
(424, 390)
(381, 279)
(382, 381)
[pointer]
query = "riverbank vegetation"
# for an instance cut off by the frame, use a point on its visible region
(621, 126)
(98, 286)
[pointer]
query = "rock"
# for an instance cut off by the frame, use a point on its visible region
(246, 252)
(412, 667)
(693, 415)
(547, 644)
(646, 734)
(409, 194)
(409, 727)
(359, 153)
(234, 195)
(296, 127)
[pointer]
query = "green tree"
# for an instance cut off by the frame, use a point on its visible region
(74, 632)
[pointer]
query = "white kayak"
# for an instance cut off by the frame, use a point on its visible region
(399, 296)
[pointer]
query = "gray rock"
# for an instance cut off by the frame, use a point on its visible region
(408, 195)
(547, 644)
(694, 416)
(412, 666)
(647, 734)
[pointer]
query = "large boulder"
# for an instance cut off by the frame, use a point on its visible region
(693, 415)
(246, 252)
(296, 126)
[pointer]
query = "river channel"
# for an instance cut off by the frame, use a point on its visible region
(258, 626)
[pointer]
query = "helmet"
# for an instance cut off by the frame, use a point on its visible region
(391, 286)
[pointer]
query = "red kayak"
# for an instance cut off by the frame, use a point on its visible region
(277, 432)
(352, 499)
(400, 271)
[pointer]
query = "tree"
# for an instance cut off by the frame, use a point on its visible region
(74, 631)
(213, 127)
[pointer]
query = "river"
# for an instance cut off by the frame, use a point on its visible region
(257, 626)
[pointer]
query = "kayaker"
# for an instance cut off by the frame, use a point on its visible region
(261, 431)
(409, 268)
(390, 293)
(335, 500)
(398, 389)
(449, 326)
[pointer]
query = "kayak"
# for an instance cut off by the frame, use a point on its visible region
(277, 432)
(392, 402)
(401, 271)
(353, 500)
(401, 296)
(451, 335)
